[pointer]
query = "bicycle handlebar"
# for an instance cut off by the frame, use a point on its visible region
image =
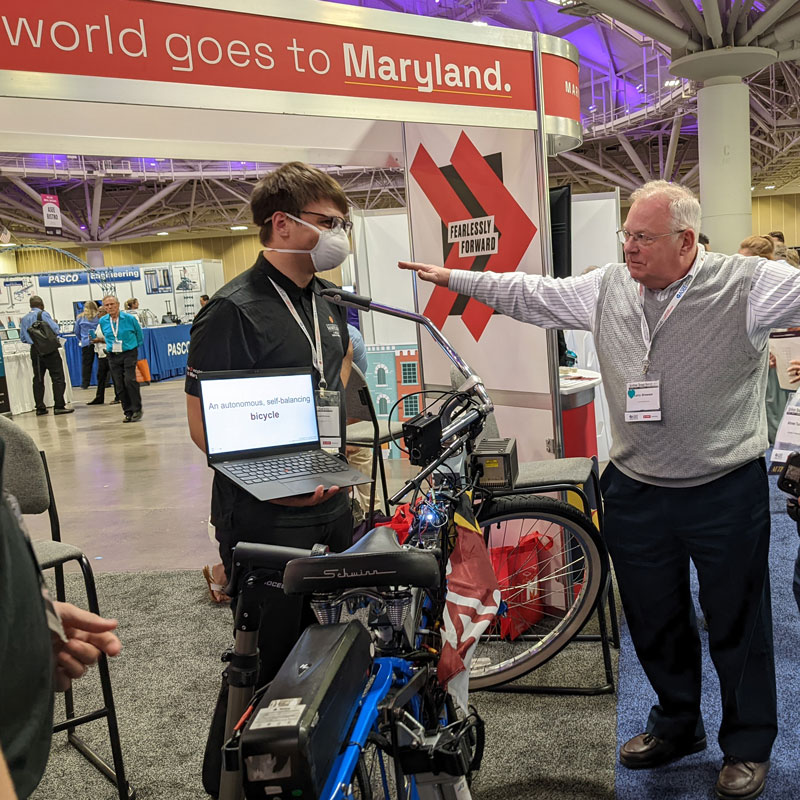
(342, 298)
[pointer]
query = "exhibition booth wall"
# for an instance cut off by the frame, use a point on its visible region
(343, 64)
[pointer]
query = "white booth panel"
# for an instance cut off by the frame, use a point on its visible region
(381, 240)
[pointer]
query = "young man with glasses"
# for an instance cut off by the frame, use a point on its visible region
(271, 317)
(681, 336)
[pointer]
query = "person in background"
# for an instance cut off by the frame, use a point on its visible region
(778, 235)
(103, 370)
(359, 348)
(203, 300)
(85, 323)
(123, 336)
(703, 239)
(775, 397)
(360, 457)
(132, 305)
(759, 246)
(48, 362)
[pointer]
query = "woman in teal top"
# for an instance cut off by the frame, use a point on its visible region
(85, 323)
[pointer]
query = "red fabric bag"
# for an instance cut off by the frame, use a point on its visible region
(517, 570)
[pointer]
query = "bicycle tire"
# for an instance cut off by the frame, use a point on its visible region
(499, 657)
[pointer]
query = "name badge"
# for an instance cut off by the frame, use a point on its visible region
(643, 400)
(329, 419)
(116, 347)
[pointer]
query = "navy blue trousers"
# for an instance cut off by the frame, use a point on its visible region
(723, 527)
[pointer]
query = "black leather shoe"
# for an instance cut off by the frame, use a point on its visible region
(40, 412)
(741, 780)
(136, 416)
(96, 402)
(114, 401)
(646, 751)
(63, 410)
(126, 418)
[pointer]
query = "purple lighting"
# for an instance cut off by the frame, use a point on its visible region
(83, 227)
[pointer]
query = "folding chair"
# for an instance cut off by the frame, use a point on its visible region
(28, 479)
(368, 431)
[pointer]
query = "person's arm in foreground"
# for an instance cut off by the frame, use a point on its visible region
(547, 302)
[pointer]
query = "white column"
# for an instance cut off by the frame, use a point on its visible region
(723, 117)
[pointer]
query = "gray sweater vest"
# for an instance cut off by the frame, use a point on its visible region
(712, 378)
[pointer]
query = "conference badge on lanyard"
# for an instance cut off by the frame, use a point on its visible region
(329, 418)
(643, 399)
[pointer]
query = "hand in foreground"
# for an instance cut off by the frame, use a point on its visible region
(321, 494)
(87, 636)
(427, 272)
(794, 370)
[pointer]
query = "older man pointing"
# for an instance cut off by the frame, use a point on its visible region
(681, 336)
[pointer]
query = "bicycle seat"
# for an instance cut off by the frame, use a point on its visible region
(377, 559)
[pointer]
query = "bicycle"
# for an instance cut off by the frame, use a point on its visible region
(357, 707)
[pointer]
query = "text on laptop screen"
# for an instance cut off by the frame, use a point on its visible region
(258, 411)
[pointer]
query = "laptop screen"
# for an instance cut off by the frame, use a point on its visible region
(12, 333)
(256, 412)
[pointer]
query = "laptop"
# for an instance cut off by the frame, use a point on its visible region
(12, 334)
(261, 433)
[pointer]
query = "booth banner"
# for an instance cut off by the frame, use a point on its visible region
(82, 277)
(306, 62)
(473, 204)
(51, 213)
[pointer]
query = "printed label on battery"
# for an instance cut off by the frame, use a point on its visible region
(284, 712)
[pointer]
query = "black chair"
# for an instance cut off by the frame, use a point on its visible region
(369, 432)
(28, 479)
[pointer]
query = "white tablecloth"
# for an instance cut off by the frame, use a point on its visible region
(19, 378)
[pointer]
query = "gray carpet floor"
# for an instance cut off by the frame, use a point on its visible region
(166, 679)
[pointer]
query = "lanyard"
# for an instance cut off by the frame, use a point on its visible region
(316, 349)
(647, 337)
(114, 331)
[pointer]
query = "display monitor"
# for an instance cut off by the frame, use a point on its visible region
(12, 333)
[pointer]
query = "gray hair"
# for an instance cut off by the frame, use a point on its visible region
(683, 205)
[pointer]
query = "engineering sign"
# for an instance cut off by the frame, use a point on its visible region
(483, 226)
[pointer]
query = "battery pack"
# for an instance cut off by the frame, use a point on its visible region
(297, 730)
(497, 459)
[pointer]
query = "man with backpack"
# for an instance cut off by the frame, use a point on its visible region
(38, 329)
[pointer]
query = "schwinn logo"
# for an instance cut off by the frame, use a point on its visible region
(345, 573)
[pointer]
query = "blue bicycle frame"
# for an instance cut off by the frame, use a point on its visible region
(388, 674)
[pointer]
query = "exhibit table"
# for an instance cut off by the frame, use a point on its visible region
(19, 378)
(165, 348)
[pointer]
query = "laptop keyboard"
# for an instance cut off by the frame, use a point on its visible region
(290, 466)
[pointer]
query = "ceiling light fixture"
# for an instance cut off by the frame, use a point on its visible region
(771, 186)
(163, 233)
(238, 227)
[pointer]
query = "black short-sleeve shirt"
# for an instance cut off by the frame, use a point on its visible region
(246, 325)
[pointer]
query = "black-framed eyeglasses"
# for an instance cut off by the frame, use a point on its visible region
(643, 239)
(334, 224)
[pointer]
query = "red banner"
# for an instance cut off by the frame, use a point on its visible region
(190, 45)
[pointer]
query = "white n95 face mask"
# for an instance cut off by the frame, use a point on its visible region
(331, 249)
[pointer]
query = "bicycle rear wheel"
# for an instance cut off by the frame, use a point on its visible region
(552, 567)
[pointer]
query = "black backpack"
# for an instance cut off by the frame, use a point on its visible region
(43, 336)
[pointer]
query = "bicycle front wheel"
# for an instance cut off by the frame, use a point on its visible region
(552, 567)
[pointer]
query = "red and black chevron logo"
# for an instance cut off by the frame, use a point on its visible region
(483, 226)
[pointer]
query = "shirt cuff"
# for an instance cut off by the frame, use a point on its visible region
(462, 281)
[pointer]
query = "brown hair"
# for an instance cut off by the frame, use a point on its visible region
(761, 246)
(291, 188)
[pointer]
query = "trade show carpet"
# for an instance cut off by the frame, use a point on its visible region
(166, 679)
(694, 776)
